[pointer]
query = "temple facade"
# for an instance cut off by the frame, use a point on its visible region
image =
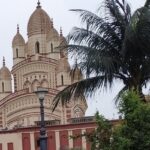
(39, 62)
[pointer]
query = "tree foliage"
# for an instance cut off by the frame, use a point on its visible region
(134, 133)
(100, 137)
(131, 133)
(111, 47)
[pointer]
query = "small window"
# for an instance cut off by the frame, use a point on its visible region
(62, 80)
(3, 88)
(37, 47)
(15, 83)
(17, 54)
(51, 47)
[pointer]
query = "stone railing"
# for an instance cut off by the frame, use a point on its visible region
(81, 120)
(48, 123)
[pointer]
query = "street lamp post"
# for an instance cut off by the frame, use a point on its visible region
(43, 137)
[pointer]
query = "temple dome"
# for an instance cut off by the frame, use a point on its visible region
(18, 39)
(39, 22)
(52, 35)
(5, 73)
(76, 73)
(63, 65)
(63, 41)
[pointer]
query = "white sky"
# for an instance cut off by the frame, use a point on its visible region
(13, 12)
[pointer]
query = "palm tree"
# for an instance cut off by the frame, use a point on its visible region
(111, 47)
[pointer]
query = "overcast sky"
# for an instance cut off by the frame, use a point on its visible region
(13, 12)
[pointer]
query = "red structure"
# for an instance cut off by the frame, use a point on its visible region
(59, 137)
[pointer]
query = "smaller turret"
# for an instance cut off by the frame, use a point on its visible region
(76, 73)
(63, 41)
(62, 44)
(5, 81)
(63, 73)
(18, 45)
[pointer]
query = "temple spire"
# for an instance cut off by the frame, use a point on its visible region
(38, 4)
(17, 28)
(3, 61)
(61, 34)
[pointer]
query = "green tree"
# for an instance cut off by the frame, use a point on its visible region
(114, 46)
(134, 132)
(131, 133)
(100, 138)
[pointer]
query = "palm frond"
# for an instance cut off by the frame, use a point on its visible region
(119, 14)
(110, 47)
(147, 3)
(93, 61)
(98, 24)
(116, 10)
(89, 19)
(118, 96)
(137, 37)
(81, 36)
(80, 89)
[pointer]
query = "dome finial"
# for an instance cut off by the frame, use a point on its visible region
(61, 34)
(3, 61)
(17, 28)
(38, 4)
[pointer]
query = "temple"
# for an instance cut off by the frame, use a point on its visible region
(38, 62)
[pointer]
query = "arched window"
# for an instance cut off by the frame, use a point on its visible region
(27, 85)
(3, 88)
(37, 47)
(51, 47)
(78, 112)
(35, 85)
(44, 83)
(17, 53)
(62, 80)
